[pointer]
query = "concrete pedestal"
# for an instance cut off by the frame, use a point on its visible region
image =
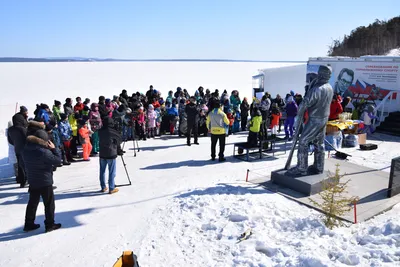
(308, 185)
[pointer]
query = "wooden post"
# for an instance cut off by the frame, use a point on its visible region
(355, 211)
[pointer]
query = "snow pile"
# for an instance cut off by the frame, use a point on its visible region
(394, 52)
(200, 228)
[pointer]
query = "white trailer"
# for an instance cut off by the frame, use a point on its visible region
(375, 79)
(280, 80)
(372, 78)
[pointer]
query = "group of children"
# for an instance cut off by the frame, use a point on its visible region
(146, 116)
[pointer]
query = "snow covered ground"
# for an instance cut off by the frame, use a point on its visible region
(34, 83)
(184, 210)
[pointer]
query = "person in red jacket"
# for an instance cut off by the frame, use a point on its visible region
(79, 105)
(336, 108)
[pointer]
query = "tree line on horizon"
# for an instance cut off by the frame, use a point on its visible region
(377, 38)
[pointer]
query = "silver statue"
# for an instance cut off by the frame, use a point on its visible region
(316, 102)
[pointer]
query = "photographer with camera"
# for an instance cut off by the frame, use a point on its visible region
(110, 147)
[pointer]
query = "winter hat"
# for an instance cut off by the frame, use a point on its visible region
(63, 116)
(42, 135)
(102, 98)
(151, 106)
(23, 109)
(81, 122)
(128, 110)
(68, 100)
(292, 92)
(161, 101)
(115, 98)
(49, 127)
(108, 100)
(44, 106)
(290, 99)
(57, 103)
(93, 106)
(87, 100)
(19, 121)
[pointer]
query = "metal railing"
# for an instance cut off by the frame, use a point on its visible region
(380, 108)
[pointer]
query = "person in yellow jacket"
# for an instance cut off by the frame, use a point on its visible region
(217, 123)
(255, 125)
(73, 121)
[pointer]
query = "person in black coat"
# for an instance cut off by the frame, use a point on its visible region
(102, 107)
(244, 113)
(150, 94)
(192, 113)
(109, 148)
(123, 97)
(17, 137)
(40, 155)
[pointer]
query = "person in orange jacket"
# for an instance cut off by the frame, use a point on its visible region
(275, 117)
(84, 135)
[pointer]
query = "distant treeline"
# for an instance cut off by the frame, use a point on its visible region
(376, 39)
(21, 59)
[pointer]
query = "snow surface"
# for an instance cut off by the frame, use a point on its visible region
(394, 52)
(34, 83)
(184, 210)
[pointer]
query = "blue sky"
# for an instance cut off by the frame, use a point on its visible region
(146, 29)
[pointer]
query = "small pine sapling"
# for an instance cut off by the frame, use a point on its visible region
(334, 202)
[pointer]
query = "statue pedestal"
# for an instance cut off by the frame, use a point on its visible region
(308, 185)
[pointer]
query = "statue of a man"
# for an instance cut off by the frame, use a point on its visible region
(316, 103)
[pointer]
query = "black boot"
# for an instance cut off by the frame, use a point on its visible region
(53, 227)
(31, 227)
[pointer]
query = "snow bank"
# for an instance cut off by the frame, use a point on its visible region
(201, 227)
(394, 52)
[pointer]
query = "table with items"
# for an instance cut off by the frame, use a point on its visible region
(346, 132)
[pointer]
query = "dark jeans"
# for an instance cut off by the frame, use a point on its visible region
(221, 139)
(73, 145)
(21, 177)
(47, 195)
(192, 127)
(252, 139)
(244, 122)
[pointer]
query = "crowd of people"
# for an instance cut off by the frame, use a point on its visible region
(51, 138)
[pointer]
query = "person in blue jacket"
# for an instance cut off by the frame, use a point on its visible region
(43, 114)
(173, 115)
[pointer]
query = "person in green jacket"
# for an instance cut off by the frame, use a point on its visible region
(255, 125)
(57, 110)
(73, 121)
